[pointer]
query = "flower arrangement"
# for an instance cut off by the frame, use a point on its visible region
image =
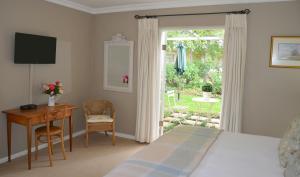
(125, 78)
(53, 89)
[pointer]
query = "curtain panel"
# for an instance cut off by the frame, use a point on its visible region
(235, 44)
(148, 89)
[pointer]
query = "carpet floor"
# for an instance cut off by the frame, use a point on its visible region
(95, 161)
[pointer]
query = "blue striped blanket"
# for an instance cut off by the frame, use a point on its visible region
(176, 154)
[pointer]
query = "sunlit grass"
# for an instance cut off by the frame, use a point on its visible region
(196, 107)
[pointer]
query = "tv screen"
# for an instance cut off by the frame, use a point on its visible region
(34, 49)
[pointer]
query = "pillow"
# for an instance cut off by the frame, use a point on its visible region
(290, 143)
(293, 166)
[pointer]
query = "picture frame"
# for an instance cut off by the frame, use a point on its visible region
(285, 52)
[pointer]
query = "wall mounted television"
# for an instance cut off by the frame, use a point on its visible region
(34, 49)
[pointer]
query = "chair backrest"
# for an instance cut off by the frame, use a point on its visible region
(99, 107)
(171, 98)
(56, 114)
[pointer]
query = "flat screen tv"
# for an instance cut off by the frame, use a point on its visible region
(34, 49)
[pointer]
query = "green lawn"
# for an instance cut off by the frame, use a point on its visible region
(196, 107)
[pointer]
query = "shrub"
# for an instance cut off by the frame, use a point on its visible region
(189, 79)
(216, 80)
(207, 87)
(171, 75)
(204, 67)
(195, 75)
(191, 75)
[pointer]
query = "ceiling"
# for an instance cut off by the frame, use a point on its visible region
(111, 3)
(108, 6)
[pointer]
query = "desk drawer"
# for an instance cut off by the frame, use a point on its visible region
(56, 115)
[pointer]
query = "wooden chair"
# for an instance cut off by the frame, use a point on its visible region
(49, 132)
(100, 116)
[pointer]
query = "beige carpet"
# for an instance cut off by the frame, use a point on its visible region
(95, 161)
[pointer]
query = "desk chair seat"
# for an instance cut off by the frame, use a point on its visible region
(42, 131)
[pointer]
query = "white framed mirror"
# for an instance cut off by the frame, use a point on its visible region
(118, 64)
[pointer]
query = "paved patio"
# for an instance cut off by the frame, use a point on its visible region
(194, 119)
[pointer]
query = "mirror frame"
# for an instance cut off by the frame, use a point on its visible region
(118, 40)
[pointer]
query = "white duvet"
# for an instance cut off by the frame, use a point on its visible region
(241, 155)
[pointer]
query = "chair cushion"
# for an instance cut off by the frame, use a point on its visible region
(290, 142)
(99, 118)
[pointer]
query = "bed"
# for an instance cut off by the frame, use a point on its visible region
(241, 155)
(204, 152)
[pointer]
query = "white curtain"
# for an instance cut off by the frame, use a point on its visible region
(233, 71)
(148, 91)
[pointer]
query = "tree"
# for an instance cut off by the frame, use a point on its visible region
(206, 55)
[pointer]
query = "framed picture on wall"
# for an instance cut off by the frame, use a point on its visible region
(285, 52)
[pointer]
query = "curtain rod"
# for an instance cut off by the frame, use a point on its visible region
(245, 11)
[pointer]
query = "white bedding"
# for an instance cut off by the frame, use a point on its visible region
(241, 155)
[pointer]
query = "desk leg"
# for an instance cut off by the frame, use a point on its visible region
(29, 134)
(70, 132)
(9, 139)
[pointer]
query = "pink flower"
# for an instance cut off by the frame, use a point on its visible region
(125, 78)
(51, 87)
(57, 82)
(45, 87)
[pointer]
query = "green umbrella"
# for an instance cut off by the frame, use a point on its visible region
(180, 64)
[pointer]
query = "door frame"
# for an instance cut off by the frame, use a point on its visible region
(163, 41)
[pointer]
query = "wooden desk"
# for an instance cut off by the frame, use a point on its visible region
(29, 118)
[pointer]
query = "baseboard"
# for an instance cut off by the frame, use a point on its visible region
(122, 135)
(42, 146)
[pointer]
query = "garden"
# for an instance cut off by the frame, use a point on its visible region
(193, 89)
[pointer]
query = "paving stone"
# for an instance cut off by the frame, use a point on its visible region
(199, 118)
(188, 122)
(203, 118)
(172, 119)
(216, 121)
(182, 115)
(176, 120)
(217, 125)
(194, 117)
(210, 125)
(167, 124)
(175, 114)
(198, 123)
(168, 119)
